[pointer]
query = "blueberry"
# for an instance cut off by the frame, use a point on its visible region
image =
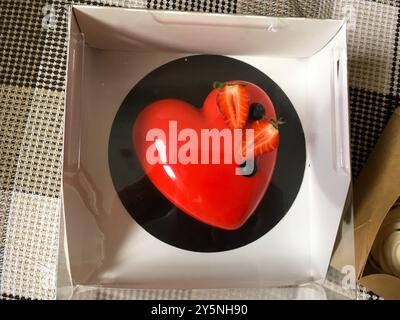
(257, 111)
(246, 170)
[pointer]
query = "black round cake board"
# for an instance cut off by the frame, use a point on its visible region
(190, 79)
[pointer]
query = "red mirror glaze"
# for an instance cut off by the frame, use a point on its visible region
(211, 193)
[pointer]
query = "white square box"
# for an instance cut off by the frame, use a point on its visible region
(110, 50)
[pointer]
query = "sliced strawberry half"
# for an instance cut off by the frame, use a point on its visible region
(266, 137)
(233, 101)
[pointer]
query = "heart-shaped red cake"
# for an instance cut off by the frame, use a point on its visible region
(211, 192)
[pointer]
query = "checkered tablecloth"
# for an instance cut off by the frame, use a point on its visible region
(32, 84)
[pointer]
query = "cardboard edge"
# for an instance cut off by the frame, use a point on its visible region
(63, 236)
(82, 7)
(177, 18)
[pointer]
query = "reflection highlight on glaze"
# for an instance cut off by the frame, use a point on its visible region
(162, 151)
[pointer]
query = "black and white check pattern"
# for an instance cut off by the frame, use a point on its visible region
(32, 85)
(218, 6)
